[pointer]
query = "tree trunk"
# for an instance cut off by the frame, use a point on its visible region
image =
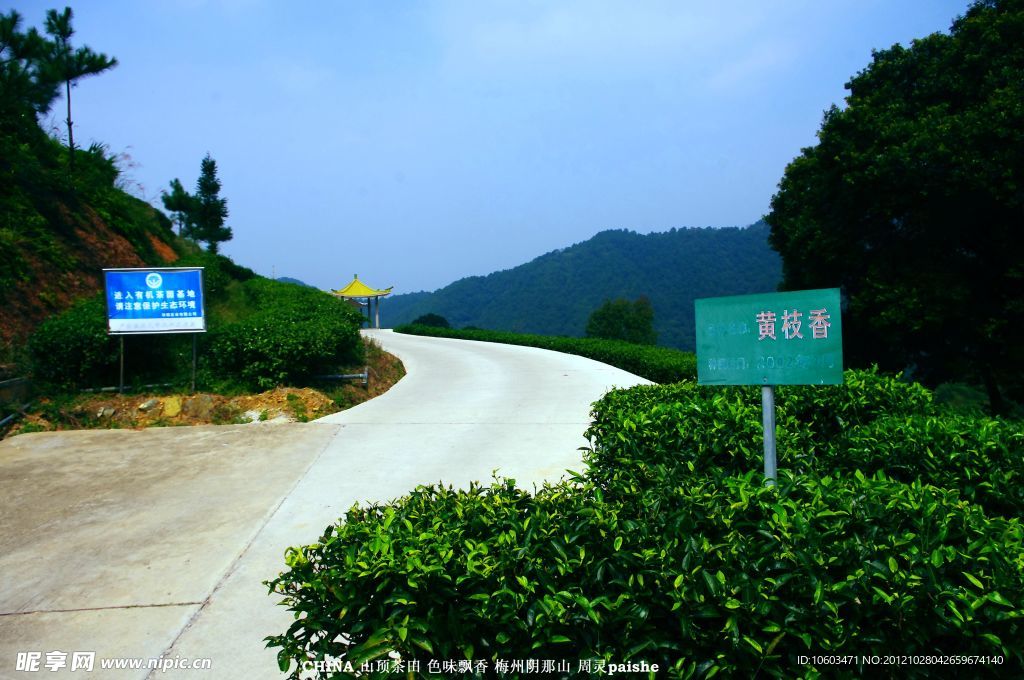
(996, 404)
(71, 135)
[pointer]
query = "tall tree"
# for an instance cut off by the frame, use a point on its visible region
(182, 206)
(68, 65)
(913, 203)
(210, 210)
(624, 320)
(25, 88)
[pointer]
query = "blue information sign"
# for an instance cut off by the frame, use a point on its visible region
(159, 300)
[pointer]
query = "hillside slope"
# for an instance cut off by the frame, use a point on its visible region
(58, 229)
(555, 293)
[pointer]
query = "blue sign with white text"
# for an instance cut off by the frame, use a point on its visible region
(167, 300)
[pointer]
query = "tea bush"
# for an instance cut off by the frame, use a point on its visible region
(718, 429)
(864, 396)
(708, 576)
(981, 457)
(666, 432)
(891, 530)
(657, 364)
(293, 333)
(72, 349)
(297, 333)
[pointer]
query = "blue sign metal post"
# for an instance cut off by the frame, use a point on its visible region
(155, 300)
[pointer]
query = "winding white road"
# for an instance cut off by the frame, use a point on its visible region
(155, 543)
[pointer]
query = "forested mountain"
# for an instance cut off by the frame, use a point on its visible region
(555, 293)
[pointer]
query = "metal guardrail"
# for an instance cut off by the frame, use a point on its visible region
(14, 392)
(17, 414)
(364, 376)
(128, 388)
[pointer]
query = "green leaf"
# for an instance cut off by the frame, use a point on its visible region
(996, 597)
(974, 579)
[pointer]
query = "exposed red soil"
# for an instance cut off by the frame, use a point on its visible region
(91, 245)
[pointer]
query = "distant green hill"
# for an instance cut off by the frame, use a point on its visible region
(555, 293)
(288, 279)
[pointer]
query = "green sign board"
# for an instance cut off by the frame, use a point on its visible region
(793, 338)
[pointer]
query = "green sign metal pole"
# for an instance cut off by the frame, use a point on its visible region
(768, 421)
(769, 339)
(194, 351)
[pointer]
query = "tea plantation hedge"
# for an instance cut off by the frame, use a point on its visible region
(261, 333)
(296, 332)
(670, 549)
(658, 364)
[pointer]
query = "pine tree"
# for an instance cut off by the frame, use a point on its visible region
(182, 206)
(67, 65)
(210, 210)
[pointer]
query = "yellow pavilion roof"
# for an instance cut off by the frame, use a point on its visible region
(358, 289)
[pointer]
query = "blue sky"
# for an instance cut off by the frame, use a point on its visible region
(416, 143)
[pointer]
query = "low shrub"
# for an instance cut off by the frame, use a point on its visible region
(293, 334)
(435, 320)
(665, 433)
(982, 458)
(297, 333)
(72, 350)
(657, 364)
(717, 430)
(864, 396)
(885, 534)
(710, 576)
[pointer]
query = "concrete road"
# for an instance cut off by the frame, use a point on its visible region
(154, 544)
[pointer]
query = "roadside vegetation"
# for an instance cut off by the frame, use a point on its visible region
(657, 364)
(892, 526)
(262, 336)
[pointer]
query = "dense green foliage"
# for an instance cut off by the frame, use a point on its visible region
(624, 320)
(556, 293)
(72, 349)
(296, 333)
(912, 203)
(262, 333)
(200, 216)
(671, 550)
(871, 424)
(435, 320)
(658, 364)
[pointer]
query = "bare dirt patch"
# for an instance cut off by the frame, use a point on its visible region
(140, 410)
